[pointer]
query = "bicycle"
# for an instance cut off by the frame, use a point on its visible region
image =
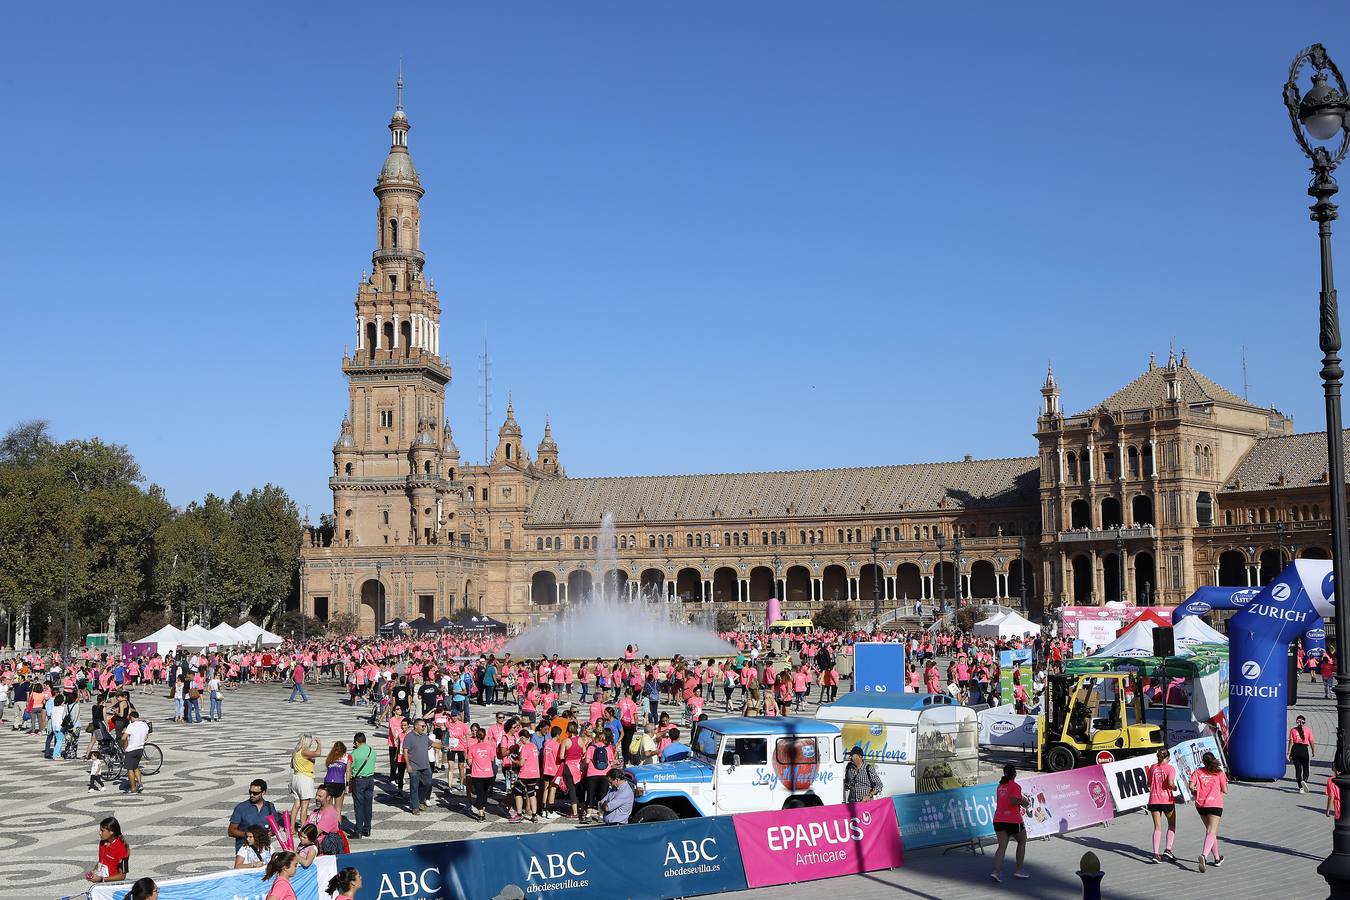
(152, 759)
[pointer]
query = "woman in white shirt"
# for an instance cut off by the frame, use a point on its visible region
(256, 850)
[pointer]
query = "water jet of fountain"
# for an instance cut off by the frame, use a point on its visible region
(604, 621)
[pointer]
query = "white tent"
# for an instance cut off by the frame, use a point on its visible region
(165, 640)
(197, 636)
(248, 631)
(226, 636)
(1195, 630)
(1138, 641)
(1006, 624)
(271, 640)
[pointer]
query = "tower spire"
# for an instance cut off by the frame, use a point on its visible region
(398, 104)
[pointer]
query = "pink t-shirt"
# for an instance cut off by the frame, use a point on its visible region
(550, 757)
(281, 889)
(1160, 780)
(1296, 738)
(529, 760)
(1208, 787)
(480, 755)
(597, 711)
(1008, 803)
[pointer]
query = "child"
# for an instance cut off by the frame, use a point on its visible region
(1333, 793)
(95, 771)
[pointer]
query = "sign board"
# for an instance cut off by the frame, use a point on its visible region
(1007, 659)
(947, 817)
(1001, 727)
(813, 842)
(1064, 801)
(879, 667)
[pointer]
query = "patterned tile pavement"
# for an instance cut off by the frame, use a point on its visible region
(1273, 837)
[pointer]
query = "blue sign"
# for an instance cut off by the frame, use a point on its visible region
(879, 667)
(1006, 658)
(673, 859)
(946, 817)
(245, 884)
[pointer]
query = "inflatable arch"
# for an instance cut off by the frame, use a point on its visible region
(1269, 619)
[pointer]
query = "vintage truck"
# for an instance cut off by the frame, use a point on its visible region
(916, 741)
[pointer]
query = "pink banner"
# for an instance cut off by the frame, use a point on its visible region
(134, 649)
(1063, 801)
(818, 842)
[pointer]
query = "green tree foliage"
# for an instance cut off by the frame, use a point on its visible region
(78, 513)
(834, 616)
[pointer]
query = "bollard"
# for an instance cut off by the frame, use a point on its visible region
(1090, 870)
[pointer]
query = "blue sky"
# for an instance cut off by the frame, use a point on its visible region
(701, 236)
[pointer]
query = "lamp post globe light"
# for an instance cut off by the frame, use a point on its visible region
(1322, 114)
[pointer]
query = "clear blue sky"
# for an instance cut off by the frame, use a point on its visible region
(702, 236)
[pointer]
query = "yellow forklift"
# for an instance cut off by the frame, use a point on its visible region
(1093, 718)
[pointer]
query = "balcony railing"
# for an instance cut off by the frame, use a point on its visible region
(1108, 534)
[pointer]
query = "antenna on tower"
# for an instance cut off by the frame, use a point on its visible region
(400, 83)
(1244, 371)
(485, 371)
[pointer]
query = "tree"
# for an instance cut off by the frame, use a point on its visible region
(726, 621)
(462, 615)
(834, 616)
(343, 624)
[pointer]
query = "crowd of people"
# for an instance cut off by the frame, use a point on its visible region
(459, 722)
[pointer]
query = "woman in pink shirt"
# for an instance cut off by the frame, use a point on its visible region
(482, 753)
(1162, 787)
(1208, 785)
(1008, 806)
(1302, 747)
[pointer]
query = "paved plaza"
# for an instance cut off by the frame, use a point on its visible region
(1272, 836)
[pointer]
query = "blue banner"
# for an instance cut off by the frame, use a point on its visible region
(945, 817)
(1006, 658)
(673, 859)
(879, 667)
(244, 884)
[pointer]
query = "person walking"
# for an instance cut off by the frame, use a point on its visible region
(1208, 785)
(362, 775)
(861, 781)
(217, 698)
(1008, 809)
(307, 749)
(417, 747)
(113, 854)
(1327, 669)
(1302, 748)
(1162, 806)
(298, 677)
(133, 748)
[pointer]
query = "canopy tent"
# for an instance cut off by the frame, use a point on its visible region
(394, 625)
(1193, 631)
(226, 636)
(1006, 624)
(249, 634)
(197, 636)
(165, 640)
(421, 624)
(443, 622)
(1137, 642)
(1149, 617)
(485, 623)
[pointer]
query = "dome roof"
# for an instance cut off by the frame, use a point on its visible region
(345, 440)
(424, 439)
(449, 448)
(510, 426)
(548, 444)
(398, 166)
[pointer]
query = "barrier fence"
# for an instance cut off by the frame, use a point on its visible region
(691, 857)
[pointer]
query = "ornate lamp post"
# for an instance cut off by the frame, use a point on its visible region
(1022, 569)
(876, 578)
(1120, 562)
(956, 567)
(65, 633)
(1322, 112)
(942, 587)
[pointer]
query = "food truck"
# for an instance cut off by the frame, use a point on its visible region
(918, 742)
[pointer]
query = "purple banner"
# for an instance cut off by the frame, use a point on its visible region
(130, 651)
(1064, 801)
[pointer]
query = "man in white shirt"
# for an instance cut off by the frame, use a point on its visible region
(133, 746)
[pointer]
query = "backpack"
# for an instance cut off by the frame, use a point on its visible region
(602, 758)
(331, 844)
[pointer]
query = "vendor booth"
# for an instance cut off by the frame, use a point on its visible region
(1006, 624)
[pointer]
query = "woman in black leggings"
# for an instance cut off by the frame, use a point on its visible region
(1302, 746)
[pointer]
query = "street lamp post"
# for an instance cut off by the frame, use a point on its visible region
(1120, 563)
(1022, 569)
(65, 634)
(1322, 112)
(942, 586)
(956, 568)
(876, 579)
(1279, 530)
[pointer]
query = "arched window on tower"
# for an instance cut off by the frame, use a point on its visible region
(393, 232)
(508, 451)
(539, 543)
(426, 467)
(347, 468)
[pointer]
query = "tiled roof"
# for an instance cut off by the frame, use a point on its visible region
(1300, 458)
(1150, 389)
(881, 490)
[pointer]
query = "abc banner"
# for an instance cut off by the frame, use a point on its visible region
(672, 859)
(818, 842)
(945, 817)
(1064, 801)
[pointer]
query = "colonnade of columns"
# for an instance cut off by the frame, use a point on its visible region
(426, 333)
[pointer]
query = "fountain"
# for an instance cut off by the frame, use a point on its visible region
(603, 623)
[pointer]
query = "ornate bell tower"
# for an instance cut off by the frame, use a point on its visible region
(393, 460)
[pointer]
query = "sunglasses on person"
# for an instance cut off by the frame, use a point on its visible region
(254, 792)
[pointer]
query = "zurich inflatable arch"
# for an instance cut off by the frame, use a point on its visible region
(1270, 618)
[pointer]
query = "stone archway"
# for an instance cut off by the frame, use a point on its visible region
(1080, 514)
(689, 585)
(983, 580)
(761, 584)
(798, 585)
(1082, 579)
(1145, 578)
(1271, 563)
(1232, 569)
(652, 585)
(615, 584)
(871, 584)
(834, 584)
(370, 610)
(908, 582)
(726, 589)
(544, 588)
(579, 583)
(1141, 510)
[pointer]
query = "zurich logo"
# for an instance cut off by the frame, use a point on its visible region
(1251, 670)
(1280, 592)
